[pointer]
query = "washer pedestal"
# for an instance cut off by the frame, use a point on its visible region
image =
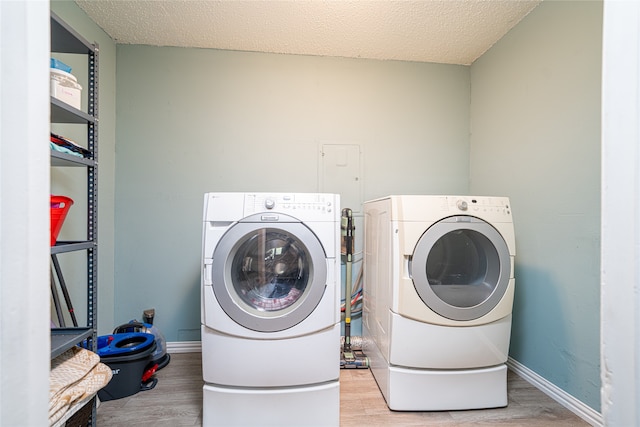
(317, 405)
(254, 363)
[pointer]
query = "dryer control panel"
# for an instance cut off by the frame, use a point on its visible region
(496, 207)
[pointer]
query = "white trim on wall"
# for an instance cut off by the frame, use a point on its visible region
(620, 227)
(184, 347)
(24, 213)
(556, 393)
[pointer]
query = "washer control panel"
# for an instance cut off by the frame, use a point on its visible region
(299, 205)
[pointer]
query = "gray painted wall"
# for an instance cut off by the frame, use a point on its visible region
(195, 120)
(535, 136)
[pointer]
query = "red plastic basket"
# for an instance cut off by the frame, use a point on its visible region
(59, 207)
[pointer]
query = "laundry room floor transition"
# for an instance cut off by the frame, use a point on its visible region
(177, 401)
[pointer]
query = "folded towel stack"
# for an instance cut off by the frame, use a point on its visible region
(75, 375)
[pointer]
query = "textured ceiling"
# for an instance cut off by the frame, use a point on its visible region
(442, 31)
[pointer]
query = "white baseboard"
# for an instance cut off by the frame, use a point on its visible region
(184, 347)
(556, 393)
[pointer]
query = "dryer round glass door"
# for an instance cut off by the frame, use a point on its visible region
(269, 277)
(461, 267)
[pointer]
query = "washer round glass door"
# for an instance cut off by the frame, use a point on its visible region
(461, 267)
(269, 277)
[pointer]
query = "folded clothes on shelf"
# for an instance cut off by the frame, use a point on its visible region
(61, 141)
(60, 149)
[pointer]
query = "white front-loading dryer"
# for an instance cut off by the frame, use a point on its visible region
(270, 307)
(438, 296)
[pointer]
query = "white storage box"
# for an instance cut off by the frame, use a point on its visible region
(65, 87)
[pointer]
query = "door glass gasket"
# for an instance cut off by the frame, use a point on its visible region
(452, 286)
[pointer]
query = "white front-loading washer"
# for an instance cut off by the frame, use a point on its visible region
(438, 295)
(271, 309)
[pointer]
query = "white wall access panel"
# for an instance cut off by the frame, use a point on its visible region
(341, 172)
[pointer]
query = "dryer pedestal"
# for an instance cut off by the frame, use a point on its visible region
(317, 405)
(413, 389)
(426, 390)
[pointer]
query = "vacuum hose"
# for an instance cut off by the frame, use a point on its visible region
(356, 342)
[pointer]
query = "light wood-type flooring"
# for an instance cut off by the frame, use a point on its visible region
(177, 401)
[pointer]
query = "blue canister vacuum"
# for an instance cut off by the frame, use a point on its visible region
(160, 355)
